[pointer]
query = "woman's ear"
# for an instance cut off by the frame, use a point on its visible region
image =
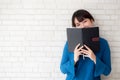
(93, 22)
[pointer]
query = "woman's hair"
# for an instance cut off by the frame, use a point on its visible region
(81, 15)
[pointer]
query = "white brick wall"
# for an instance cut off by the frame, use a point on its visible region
(32, 35)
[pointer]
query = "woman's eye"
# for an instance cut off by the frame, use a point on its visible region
(77, 25)
(85, 21)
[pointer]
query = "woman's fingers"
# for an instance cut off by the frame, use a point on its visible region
(84, 51)
(77, 46)
(80, 48)
(87, 47)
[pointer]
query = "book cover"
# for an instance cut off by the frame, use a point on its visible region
(87, 36)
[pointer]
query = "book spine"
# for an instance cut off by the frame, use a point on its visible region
(82, 43)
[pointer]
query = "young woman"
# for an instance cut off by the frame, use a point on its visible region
(94, 64)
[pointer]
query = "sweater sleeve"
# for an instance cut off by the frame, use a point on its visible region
(67, 62)
(103, 65)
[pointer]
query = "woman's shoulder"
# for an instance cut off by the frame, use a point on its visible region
(103, 40)
(66, 43)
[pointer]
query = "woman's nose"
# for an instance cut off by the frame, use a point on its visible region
(82, 25)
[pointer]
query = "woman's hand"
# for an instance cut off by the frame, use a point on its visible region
(77, 52)
(89, 53)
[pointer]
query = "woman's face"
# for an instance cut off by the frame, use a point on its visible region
(86, 23)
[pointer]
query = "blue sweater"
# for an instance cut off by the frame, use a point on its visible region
(86, 69)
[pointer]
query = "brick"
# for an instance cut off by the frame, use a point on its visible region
(33, 34)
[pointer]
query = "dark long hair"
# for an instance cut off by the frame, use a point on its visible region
(81, 15)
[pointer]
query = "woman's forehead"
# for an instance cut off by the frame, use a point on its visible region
(76, 20)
